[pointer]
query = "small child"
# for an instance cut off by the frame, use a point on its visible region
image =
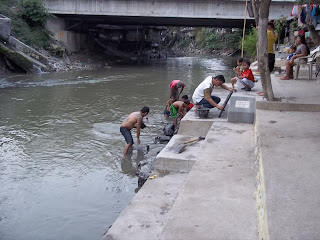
(238, 70)
(178, 109)
(185, 97)
(166, 112)
(292, 51)
(246, 78)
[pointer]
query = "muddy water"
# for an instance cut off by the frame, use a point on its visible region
(62, 174)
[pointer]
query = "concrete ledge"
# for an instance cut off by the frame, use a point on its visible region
(5, 27)
(146, 215)
(281, 106)
(20, 46)
(182, 162)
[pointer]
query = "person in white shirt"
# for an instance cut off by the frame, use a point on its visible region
(202, 94)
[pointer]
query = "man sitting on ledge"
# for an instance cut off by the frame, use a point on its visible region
(202, 94)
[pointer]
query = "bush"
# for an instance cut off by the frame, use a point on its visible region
(36, 37)
(207, 38)
(233, 40)
(250, 43)
(33, 12)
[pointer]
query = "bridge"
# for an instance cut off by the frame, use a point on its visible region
(212, 13)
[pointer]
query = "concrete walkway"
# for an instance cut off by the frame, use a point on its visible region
(243, 181)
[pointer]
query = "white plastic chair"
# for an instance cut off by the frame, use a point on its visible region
(308, 61)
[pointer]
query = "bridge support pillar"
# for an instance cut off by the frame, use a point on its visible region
(73, 41)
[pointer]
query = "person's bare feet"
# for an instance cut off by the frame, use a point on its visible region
(260, 93)
(284, 78)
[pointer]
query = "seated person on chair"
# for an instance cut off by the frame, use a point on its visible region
(202, 94)
(302, 50)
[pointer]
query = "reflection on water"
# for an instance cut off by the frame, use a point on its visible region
(62, 173)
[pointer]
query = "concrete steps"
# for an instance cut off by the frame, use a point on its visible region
(218, 198)
(215, 200)
(148, 212)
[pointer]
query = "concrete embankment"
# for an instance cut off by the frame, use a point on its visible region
(244, 181)
(205, 192)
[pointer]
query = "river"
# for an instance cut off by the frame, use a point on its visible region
(62, 174)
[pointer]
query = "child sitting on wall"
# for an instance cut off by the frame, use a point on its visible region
(246, 78)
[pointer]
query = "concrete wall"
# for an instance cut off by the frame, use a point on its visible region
(5, 27)
(72, 40)
(20, 46)
(208, 9)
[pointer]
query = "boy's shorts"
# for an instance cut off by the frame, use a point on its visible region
(166, 113)
(173, 112)
(245, 81)
(127, 135)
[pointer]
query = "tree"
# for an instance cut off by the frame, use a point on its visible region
(261, 7)
(33, 12)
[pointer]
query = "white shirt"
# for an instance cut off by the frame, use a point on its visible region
(198, 94)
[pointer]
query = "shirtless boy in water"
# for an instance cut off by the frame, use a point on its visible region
(133, 119)
(178, 109)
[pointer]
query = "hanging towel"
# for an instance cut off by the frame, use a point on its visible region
(295, 10)
(315, 15)
(308, 14)
(303, 15)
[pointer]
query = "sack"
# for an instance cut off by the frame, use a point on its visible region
(168, 130)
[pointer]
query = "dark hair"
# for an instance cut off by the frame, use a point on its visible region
(185, 97)
(221, 78)
(271, 24)
(240, 59)
(293, 47)
(247, 61)
(303, 40)
(145, 110)
(187, 101)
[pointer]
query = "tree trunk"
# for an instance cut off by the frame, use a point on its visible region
(314, 35)
(263, 49)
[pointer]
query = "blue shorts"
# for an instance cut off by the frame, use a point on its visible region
(127, 135)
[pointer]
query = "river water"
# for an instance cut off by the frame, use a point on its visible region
(62, 174)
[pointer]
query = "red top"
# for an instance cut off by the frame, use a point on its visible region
(248, 75)
(190, 106)
(173, 84)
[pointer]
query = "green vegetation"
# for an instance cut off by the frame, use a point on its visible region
(281, 25)
(210, 39)
(33, 12)
(207, 38)
(28, 18)
(250, 43)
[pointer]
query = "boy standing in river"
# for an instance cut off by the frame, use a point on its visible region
(178, 109)
(134, 119)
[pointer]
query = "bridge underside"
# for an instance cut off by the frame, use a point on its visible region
(74, 21)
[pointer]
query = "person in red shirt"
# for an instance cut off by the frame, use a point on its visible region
(246, 78)
(174, 88)
(185, 97)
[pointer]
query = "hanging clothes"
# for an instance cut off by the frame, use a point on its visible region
(308, 14)
(303, 14)
(296, 10)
